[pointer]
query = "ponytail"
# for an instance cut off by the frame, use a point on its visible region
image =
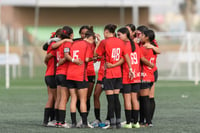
(124, 30)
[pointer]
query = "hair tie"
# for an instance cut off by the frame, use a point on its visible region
(53, 34)
(64, 31)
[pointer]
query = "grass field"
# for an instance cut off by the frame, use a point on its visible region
(21, 108)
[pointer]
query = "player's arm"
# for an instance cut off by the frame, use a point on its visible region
(57, 44)
(110, 65)
(97, 45)
(154, 48)
(146, 62)
(68, 57)
(47, 58)
(131, 73)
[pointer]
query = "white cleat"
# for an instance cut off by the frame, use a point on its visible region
(51, 123)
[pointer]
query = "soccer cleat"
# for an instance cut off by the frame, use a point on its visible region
(64, 125)
(52, 123)
(79, 123)
(108, 127)
(149, 125)
(127, 126)
(123, 123)
(73, 126)
(95, 123)
(107, 122)
(84, 126)
(137, 125)
(89, 125)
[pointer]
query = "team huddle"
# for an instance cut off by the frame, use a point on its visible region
(127, 65)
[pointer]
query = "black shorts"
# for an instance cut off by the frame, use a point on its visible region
(91, 79)
(61, 80)
(146, 85)
(155, 75)
(51, 82)
(130, 88)
(112, 84)
(77, 84)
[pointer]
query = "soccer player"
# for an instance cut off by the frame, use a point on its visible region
(112, 48)
(131, 29)
(155, 48)
(62, 65)
(77, 76)
(50, 61)
(131, 87)
(147, 75)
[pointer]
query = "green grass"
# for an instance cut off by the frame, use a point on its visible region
(21, 108)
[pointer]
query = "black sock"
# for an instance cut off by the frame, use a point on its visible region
(107, 117)
(146, 106)
(62, 114)
(141, 110)
(128, 116)
(152, 107)
(97, 114)
(111, 102)
(52, 114)
(78, 104)
(132, 117)
(84, 118)
(73, 117)
(56, 115)
(117, 106)
(135, 116)
(47, 112)
(88, 106)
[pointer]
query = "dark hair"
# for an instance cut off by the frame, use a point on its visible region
(132, 27)
(66, 32)
(111, 28)
(89, 33)
(124, 30)
(142, 28)
(45, 46)
(53, 34)
(85, 27)
(150, 34)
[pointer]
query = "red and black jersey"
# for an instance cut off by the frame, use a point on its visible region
(79, 50)
(65, 47)
(113, 49)
(135, 64)
(51, 66)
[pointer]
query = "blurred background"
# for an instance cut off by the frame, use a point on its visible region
(28, 24)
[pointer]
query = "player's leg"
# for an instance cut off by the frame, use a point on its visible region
(73, 95)
(135, 88)
(97, 93)
(49, 109)
(127, 105)
(82, 92)
(145, 102)
(90, 89)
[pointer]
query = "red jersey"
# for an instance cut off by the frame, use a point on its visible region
(101, 71)
(155, 67)
(65, 47)
(113, 49)
(51, 66)
(79, 50)
(90, 66)
(135, 63)
(147, 72)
